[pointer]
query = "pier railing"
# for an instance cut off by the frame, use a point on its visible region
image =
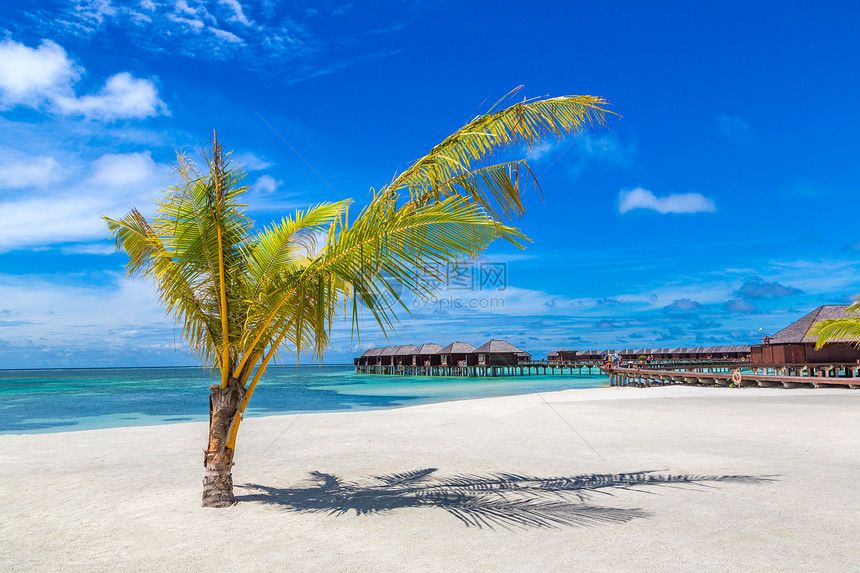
(813, 376)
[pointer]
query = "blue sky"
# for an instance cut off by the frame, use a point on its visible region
(720, 202)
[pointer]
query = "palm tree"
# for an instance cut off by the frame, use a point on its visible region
(838, 329)
(242, 297)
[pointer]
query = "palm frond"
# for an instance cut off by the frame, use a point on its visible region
(283, 246)
(836, 330)
(524, 123)
(389, 246)
(149, 258)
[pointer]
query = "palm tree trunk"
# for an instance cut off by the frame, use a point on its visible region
(218, 458)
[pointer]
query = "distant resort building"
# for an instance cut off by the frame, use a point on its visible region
(796, 346)
(501, 358)
(659, 354)
(493, 358)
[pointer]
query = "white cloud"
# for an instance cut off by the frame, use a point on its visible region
(538, 150)
(44, 76)
(123, 169)
(238, 13)
(32, 171)
(266, 183)
(116, 183)
(287, 41)
(734, 127)
(84, 316)
(182, 7)
(123, 97)
(249, 162)
(585, 152)
(29, 75)
(192, 24)
(89, 249)
(640, 198)
(42, 221)
(226, 36)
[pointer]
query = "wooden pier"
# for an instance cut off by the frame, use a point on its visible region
(486, 371)
(742, 375)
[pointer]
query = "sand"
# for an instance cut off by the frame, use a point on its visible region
(128, 499)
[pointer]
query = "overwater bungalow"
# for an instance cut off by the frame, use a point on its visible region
(386, 356)
(499, 353)
(567, 356)
(403, 355)
(363, 359)
(427, 355)
(795, 345)
(458, 354)
(374, 356)
(581, 356)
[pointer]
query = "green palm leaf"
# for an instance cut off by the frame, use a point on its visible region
(836, 330)
(526, 123)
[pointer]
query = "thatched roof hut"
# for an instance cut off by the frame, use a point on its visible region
(428, 348)
(458, 354)
(795, 344)
(403, 354)
(427, 355)
(498, 353)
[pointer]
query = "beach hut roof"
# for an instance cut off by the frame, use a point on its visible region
(428, 348)
(406, 350)
(497, 347)
(388, 351)
(458, 348)
(553, 353)
(368, 352)
(798, 331)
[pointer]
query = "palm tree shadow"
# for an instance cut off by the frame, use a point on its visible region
(504, 500)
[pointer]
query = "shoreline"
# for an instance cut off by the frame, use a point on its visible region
(744, 479)
(570, 394)
(352, 396)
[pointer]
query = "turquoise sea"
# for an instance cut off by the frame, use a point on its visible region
(35, 401)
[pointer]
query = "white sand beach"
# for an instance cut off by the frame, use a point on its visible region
(129, 499)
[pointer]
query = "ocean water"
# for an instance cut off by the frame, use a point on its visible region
(36, 401)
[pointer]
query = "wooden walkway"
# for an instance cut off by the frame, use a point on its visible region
(726, 377)
(486, 371)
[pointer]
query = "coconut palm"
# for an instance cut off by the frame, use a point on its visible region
(838, 329)
(242, 297)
